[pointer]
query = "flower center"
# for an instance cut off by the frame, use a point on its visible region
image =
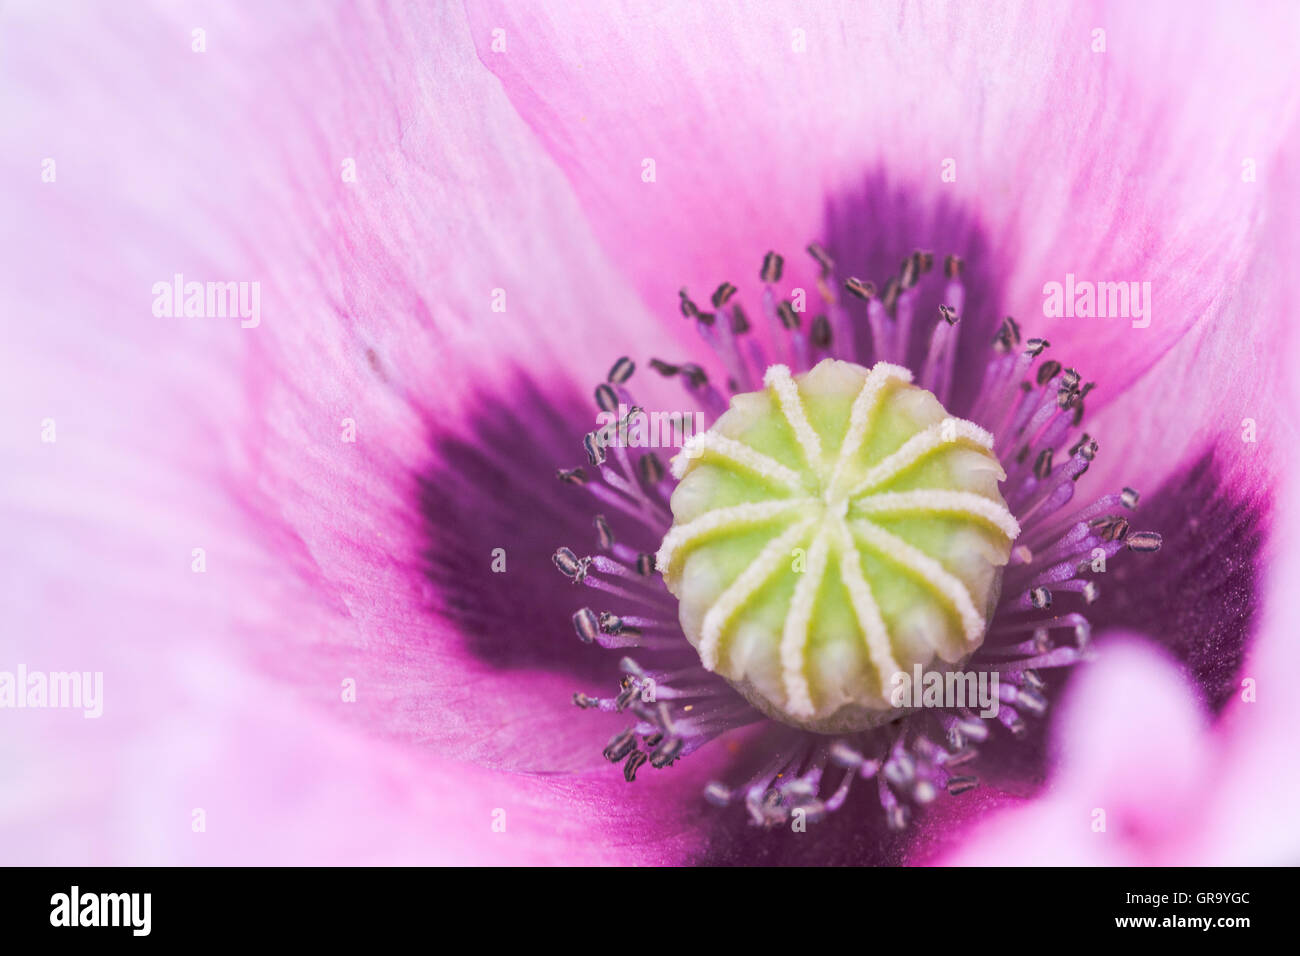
(901, 558)
(829, 532)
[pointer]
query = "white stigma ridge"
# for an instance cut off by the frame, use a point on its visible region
(864, 604)
(868, 399)
(748, 513)
(778, 379)
(794, 636)
(965, 504)
(836, 530)
(947, 432)
(735, 453)
(948, 586)
(773, 556)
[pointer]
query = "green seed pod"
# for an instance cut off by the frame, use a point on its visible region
(830, 532)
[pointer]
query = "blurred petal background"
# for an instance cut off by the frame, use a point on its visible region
(221, 154)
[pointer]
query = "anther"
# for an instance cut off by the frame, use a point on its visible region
(586, 703)
(962, 784)
(973, 729)
(722, 295)
(634, 762)
(666, 369)
(571, 476)
(1129, 498)
(594, 448)
(717, 794)
(863, 290)
(604, 535)
(570, 565)
(909, 271)
(948, 314)
(823, 258)
(687, 305)
(650, 468)
(694, 374)
(772, 266)
(952, 267)
(621, 371)
(629, 695)
(1043, 464)
(843, 755)
(1048, 371)
(821, 332)
(789, 317)
(645, 565)
(620, 745)
(1032, 701)
(606, 398)
(1008, 335)
(667, 752)
(1110, 527)
(1040, 598)
(739, 322)
(611, 623)
(586, 624)
(1035, 347)
(1090, 592)
(889, 297)
(1144, 542)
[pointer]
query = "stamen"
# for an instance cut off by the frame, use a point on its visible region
(772, 266)
(1026, 409)
(1143, 542)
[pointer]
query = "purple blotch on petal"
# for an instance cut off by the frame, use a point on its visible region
(494, 486)
(1200, 594)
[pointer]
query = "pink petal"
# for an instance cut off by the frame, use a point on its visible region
(1258, 784)
(376, 300)
(1133, 753)
(1133, 738)
(175, 434)
(1122, 165)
